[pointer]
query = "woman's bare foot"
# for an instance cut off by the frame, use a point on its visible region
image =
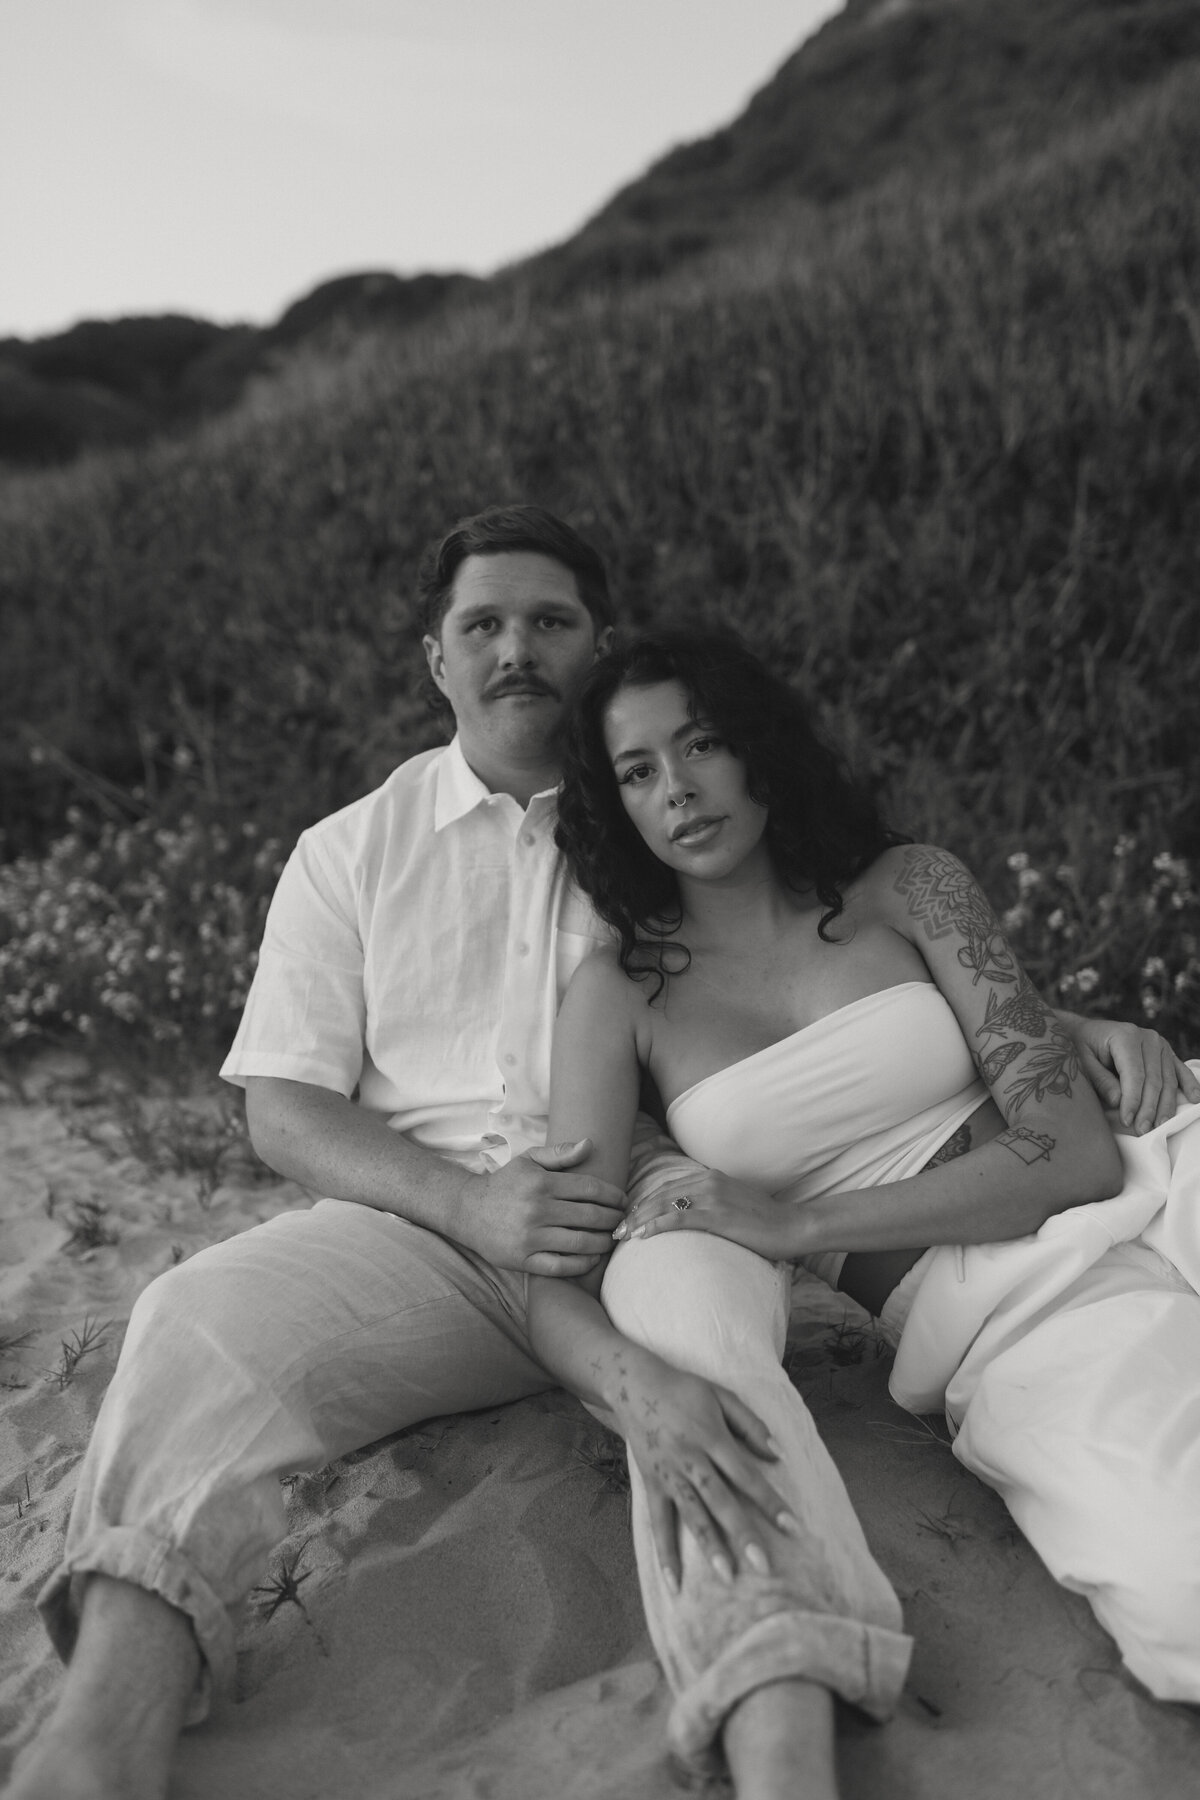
(779, 1743)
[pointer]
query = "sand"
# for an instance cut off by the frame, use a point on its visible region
(454, 1614)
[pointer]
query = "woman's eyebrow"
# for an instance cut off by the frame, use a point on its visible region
(682, 732)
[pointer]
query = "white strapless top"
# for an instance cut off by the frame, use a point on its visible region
(862, 1096)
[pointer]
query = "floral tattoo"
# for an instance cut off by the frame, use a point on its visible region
(1022, 1042)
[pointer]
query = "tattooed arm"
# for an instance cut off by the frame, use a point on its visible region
(1054, 1149)
(700, 1449)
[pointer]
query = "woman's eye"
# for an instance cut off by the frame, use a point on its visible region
(633, 777)
(704, 744)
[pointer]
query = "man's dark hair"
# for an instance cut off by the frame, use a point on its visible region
(823, 828)
(493, 532)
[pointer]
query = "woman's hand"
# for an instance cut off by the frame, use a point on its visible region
(1133, 1069)
(698, 1448)
(707, 1200)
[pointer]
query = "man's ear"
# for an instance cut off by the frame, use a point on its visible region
(604, 641)
(437, 662)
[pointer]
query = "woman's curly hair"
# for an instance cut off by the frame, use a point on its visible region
(823, 829)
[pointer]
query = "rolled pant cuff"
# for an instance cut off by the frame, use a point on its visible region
(863, 1664)
(128, 1555)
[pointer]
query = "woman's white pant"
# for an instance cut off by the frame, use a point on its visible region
(826, 1613)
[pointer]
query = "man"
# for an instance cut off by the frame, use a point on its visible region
(395, 1053)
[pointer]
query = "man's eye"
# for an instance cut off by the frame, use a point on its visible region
(552, 622)
(484, 625)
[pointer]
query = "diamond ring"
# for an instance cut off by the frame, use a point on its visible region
(682, 1204)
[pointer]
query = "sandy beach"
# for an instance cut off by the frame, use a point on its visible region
(455, 1611)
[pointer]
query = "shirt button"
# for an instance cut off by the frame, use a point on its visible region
(510, 1060)
(527, 839)
(522, 949)
(504, 1118)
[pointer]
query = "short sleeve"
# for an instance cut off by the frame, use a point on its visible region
(305, 1014)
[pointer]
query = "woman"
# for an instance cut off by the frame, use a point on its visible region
(831, 1015)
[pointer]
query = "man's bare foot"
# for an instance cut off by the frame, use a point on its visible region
(123, 1702)
(779, 1743)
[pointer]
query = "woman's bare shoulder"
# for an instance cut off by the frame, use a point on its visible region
(601, 981)
(914, 882)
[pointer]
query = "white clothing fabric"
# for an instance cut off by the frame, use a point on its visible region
(1067, 1361)
(826, 1613)
(417, 948)
(1068, 1365)
(844, 1103)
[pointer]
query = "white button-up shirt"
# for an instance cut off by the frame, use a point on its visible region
(417, 949)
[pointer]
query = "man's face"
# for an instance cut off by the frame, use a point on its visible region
(515, 643)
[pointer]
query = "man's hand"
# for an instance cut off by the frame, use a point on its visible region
(1133, 1069)
(700, 1451)
(537, 1216)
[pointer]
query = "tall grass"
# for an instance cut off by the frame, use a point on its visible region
(936, 451)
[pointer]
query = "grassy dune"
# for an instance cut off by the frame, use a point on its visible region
(935, 449)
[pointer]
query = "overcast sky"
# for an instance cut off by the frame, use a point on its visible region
(221, 157)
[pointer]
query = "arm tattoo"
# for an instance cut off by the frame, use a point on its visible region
(941, 894)
(1030, 1146)
(944, 898)
(1023, 1011)
(1049, 1070)
(958, 1145)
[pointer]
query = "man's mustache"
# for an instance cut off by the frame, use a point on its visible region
(522, 684)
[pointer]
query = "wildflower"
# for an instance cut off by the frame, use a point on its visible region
(1153, 969)
(1057, 919)
(1124, 847)
(1027, 880)
(1018, 861)
(1087, 980)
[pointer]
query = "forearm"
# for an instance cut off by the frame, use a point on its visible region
(575, 1341)
(334, 1148)
(1004, 1189)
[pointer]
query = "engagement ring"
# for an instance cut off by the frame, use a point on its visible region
(682, 1204)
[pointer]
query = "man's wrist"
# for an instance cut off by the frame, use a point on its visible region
(461, 1206)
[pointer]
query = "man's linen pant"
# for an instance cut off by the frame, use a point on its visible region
(320, 1331)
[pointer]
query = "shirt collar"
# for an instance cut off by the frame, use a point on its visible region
(460, 791)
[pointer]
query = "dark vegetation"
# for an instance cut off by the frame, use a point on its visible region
(930, 437)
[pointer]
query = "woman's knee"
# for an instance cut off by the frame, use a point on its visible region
(688, 1295)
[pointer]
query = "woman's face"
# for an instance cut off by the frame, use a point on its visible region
(681, 785)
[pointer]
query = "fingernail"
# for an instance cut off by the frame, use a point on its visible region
(757, 1559)
(723, 1569)
(640, 1232)
(620, 1231)
(786, 1522)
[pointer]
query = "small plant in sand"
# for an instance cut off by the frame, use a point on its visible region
(89, 1226)
(201, 1136)
(605, 1456)
(74, 1348)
